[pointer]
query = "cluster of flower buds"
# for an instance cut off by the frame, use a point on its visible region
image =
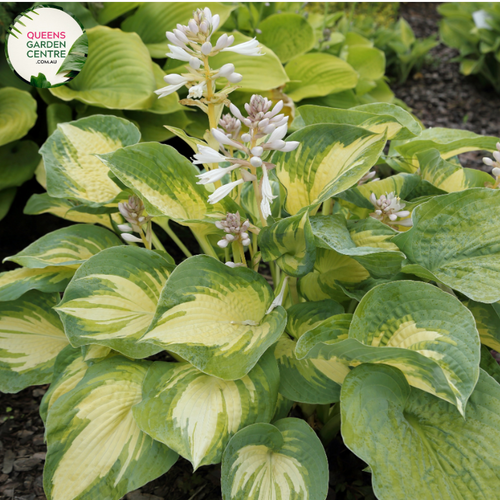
(231, 126)
(389, 210)
(496, 166)
(133, 212)
(266, 132)
(234, 229)
(367, 178)
(192, 44)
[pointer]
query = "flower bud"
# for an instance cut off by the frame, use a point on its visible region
(488, 161)
(223, 243)
(496, 172)
(235, 78)
(256, 161)
(206, 48)
(246, 137)
(195, 63)
(131, 238)
(257, 151)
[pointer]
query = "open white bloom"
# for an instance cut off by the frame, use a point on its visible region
(196, 91)
(207, 155)
(223, 191)
(389, 208)
(267, 195)
(250, 48)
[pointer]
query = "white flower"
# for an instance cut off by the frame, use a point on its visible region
(169, 89)
(131, 238)
(250, 48)
(267, 195)
(290, 146)
(388, 209)
(215, 175)
(178, 53)
(223, 139)
(125, 228)
(196, 91)
(208, 155)
(223, 191)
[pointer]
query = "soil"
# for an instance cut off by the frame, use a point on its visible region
(440, 96)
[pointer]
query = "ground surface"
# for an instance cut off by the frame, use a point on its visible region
(439, 96)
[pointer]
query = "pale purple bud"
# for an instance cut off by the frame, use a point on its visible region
(276, 109)
(269, 129)
(229, 237)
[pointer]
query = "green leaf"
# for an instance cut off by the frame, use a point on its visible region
(449, 142)
(285, 460)
(447, 176)
(152, 20)
(406, 435)
(15, 283)
(118, 75)
(216, 317)
(196, 414)
(313, 380)
(19, 161)
(331, 233)
(69, 155)
(95, 448)
(425, 332)
(371, 232)
(69, 369)
(331, 269)
(489, 364)
(17, 114)
(288, 35)
(6, 200)
(113, 10)
(487, 323)
(396, 123)
(317, 74)
(68, 247)
(251, 67)
(329, 160)
(43, 203)
(165, 180)
(77, 55)
(31, 336)
(305, 316)
(454, 241)
(112, 299)
(290, 244)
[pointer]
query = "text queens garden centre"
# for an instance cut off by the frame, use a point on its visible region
(52, 42)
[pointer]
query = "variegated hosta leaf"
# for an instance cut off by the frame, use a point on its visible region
(329, 160)
(17, 114)
(281, 461)
(196, 414)
(164, 179)
(418, 446)
(305, 316)
(112, 299)
(119, 75)
(371, 232)
(15, 283)
(487, 323)
(313, 380)
(331, 233)
(448, 176)
(69, 369)
(330, 269)
(60, 207)
(416, 327)
(374, 122)
(94, 353)
(216, 317)
(68, 247)
(289, 243)
(31, 336)
(283, 407)
(95, 448)
(448, 141)
(69, 155)
(454, 240)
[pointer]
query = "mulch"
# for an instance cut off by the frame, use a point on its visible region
(440, 96)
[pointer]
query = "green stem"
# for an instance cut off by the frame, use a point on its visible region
(352, 306)
(327, 207)
(205, 244)
(242, 253)
(156, 242)
(236, 252)
(294, 294)
(164, 225)
(332, 427)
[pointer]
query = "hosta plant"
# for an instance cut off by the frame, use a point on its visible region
(309, 282)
